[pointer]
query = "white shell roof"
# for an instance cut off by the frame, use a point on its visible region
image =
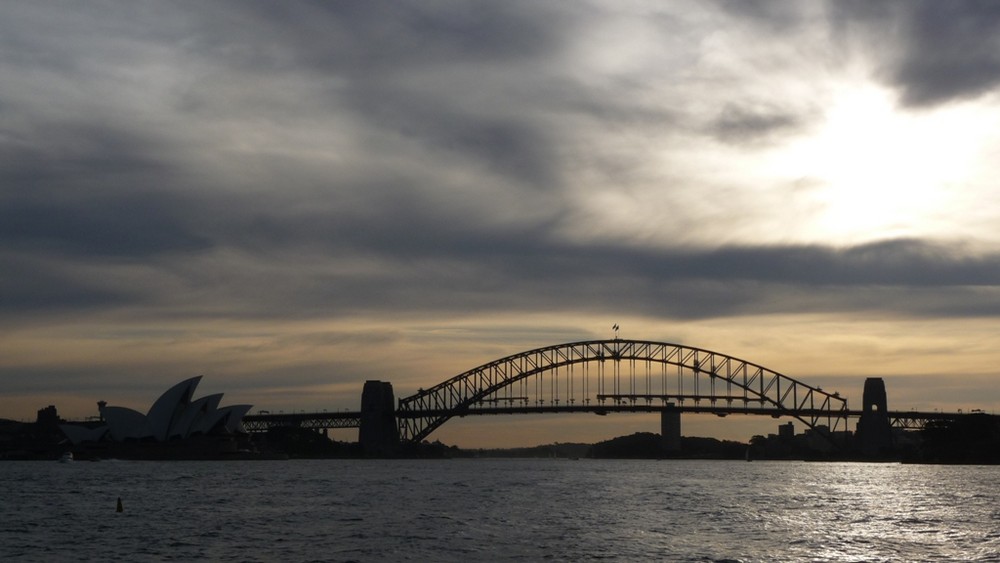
(173, 415)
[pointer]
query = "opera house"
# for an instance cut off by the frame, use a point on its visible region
(176, 426)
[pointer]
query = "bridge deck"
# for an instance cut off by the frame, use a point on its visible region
(352, 419)
(313, 420)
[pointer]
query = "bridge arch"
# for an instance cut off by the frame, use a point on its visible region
(618, 376)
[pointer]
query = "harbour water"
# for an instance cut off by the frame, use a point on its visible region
(498, 510)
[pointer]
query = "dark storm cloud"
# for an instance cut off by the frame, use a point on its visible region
(89, 154)
(748, 124)
(772, 14)
(31, 286)
(371, 37)
(888, 277)
(87, 190)
(136, 225)
(932, 52)
(506, 145)
(953, 52)
(888, 263)
(422, 72)
(410, 230)
(426, 264)
(408, 70)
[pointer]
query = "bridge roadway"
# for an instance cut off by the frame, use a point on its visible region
(262, 422)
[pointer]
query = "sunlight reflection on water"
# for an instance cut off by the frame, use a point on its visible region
(415, 510)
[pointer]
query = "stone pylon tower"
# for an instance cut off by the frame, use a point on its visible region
(874, 431)
(379, 435)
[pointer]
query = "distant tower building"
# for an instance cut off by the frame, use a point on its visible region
(786, 431)
(48, 417)
(874, 430)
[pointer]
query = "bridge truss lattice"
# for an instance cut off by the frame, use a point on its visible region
(618, 375)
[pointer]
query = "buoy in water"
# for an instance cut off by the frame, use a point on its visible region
(120, 508)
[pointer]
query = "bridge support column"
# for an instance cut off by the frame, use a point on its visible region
(670, 429)
(874, 431)
(378, 434)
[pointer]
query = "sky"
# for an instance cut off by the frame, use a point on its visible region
(292, 198)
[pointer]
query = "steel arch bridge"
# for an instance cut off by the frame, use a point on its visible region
(618, 376)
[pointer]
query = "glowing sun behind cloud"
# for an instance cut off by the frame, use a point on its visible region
(875, 172)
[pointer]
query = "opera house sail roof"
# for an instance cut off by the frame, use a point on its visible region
(170, 406)
(174, 415)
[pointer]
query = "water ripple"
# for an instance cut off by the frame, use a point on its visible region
(498, 510)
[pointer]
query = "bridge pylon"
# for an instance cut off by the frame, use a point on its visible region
(379, 434)
(670, 429)
(874, 429)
